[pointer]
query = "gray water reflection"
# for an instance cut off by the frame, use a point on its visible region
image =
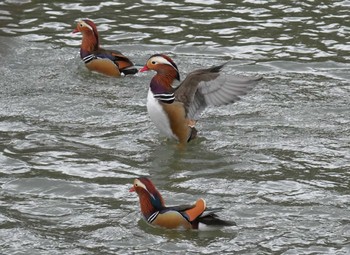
(248, 29)
(71, 141)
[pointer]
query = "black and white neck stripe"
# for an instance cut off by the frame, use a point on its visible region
(165, 98)
(88, 58)
(152, 217)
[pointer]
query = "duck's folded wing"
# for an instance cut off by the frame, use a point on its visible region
(116, 56)
(225, 89)
(180, 208)
(190, 212)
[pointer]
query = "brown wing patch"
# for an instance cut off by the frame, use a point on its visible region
(194, 212)
(122, 61)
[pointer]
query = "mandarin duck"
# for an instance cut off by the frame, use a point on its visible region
(156, 213)
(108, 62)
(175, 111)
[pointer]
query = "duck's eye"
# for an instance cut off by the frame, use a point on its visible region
(81, 25)
(136, 185)
(154, 62)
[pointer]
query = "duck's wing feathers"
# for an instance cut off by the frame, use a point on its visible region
(186, 91)
(190, 212)
(179, 208)
(124, 63)
(205, 87)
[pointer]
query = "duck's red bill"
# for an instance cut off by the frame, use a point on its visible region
(144, 69)
(132, 189)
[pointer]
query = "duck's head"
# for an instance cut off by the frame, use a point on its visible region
(162, 64)
(147, 193)
(86, 26)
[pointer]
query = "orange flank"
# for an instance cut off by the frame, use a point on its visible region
(104, 66)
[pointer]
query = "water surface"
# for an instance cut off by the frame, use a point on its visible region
(71, 141)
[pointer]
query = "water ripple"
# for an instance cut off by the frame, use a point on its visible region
(71, 141)
(299, 30)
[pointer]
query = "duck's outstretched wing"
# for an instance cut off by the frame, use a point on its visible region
(205, 87)
(185, 92)
(225, 89)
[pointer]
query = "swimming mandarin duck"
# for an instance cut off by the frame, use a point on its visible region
(156, 213)
(175, 111)
(108, 62)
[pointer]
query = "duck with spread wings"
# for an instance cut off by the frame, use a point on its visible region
(175, 111)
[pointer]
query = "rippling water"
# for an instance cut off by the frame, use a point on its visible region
(71, 142)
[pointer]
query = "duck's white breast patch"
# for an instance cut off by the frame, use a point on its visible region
(158, 115)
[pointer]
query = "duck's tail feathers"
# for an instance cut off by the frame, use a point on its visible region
(209, 217)
(129, 70)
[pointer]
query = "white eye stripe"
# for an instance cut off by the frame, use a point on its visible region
(88, 26)
(81, 21)
(138, 183)
(161, 60)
